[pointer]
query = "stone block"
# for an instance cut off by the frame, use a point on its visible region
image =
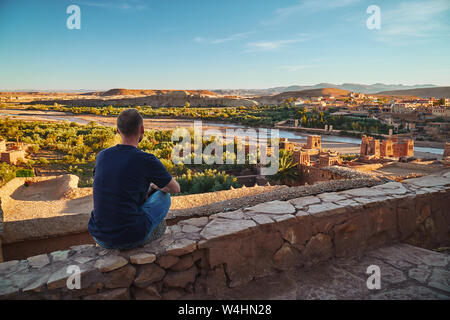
(319, 248)
(142, 258)
(179, 279)
(287, 258)
(350, 238)
(220, 227)
(110, 263)
(167, 261)
(197, 222)
(38, 261)
(406, 216)
(331, 197)
(323, 208)
(300, 203)
(273, 207)
(296, 232)
(59, 278)
(262, 219)
(8, 265)
(216, 281)
(37, 285)
(149, 274)
(181, 247)
(60, 255)
(120, 278)
(185, 263)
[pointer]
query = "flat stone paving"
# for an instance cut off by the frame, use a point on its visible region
(407, 273)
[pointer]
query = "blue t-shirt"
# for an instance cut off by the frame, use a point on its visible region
(122, 177)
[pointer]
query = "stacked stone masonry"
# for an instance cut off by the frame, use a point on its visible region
(227, 250)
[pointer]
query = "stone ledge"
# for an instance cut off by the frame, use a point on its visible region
(230, 249)
(73, 224)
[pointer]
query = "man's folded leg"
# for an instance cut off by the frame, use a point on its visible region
(156, 207)
(157, 233)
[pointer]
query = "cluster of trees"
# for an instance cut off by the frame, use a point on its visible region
(349, 157)
(209, 180)
(79, 144)
(251, 116)
(8, 172)
(320, 119)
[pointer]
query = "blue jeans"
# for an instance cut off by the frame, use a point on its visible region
(156, 208)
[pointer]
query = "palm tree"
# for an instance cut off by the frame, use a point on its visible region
(287, 171)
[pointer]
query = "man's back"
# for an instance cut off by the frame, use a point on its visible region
(122, 178)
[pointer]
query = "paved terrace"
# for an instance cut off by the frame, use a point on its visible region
(308, 247)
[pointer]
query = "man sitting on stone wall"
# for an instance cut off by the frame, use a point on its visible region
(131, 190)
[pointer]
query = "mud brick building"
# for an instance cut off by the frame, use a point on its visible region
(11, 155)
(391, 148)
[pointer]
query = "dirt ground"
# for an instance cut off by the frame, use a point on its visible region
(397, 169)
(44, 197)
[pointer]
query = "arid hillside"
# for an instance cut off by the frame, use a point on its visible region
(144, 92)
(325, 92)
(303, 94)
(440, 92)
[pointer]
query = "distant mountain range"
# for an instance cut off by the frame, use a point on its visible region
(324, 89)
(355, 87)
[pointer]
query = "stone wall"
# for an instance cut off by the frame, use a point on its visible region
(229, 249)
(311, 175)
(182, 206)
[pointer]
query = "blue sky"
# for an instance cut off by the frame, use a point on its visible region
(208, 44)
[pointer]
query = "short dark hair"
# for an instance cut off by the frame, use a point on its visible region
(129, 121)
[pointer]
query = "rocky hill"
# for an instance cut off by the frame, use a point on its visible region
(439, 92)
(303, 94)
(139, 92)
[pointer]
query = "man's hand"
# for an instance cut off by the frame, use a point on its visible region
(172, 187)
(153, 186)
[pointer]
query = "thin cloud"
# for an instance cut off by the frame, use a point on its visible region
(116, 4)
(414, 20)
(229, 38)
(265, 45)
(294, 68)
(307, 6)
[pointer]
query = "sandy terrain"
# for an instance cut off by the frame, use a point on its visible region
(396, 169)
(45, 197)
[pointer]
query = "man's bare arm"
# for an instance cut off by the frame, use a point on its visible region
(172, 187)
